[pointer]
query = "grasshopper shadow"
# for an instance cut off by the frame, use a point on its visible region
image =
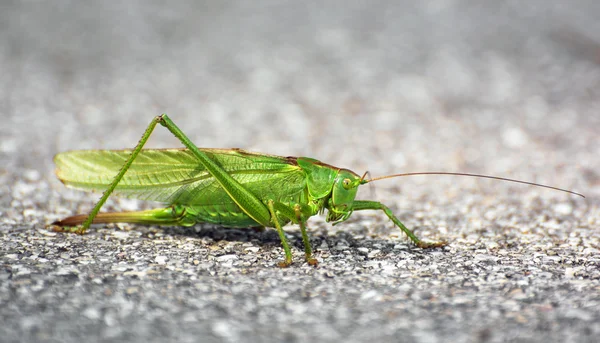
(269, 237)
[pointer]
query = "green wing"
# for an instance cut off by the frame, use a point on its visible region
(175, 176)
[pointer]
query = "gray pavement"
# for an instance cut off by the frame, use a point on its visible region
(505, 88)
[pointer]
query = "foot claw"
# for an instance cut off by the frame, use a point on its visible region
(284, 264)
(429, 245)
(312, 262)
(56, 228)
(71, 229)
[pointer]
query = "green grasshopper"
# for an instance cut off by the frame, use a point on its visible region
(228, 187)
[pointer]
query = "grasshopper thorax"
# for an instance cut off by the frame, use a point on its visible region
(342, 197)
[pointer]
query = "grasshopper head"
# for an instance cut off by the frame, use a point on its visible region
(342, 196)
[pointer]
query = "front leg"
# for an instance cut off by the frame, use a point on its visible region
(360, 205)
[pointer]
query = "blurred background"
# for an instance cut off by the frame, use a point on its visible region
(494, 86)
(506, 88)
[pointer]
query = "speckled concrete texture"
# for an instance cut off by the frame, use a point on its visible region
(505, 88)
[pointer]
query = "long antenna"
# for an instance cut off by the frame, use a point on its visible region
(473, 175)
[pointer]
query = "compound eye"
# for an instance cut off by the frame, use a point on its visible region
(346, 183)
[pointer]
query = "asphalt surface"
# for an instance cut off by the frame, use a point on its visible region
(503, 88)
